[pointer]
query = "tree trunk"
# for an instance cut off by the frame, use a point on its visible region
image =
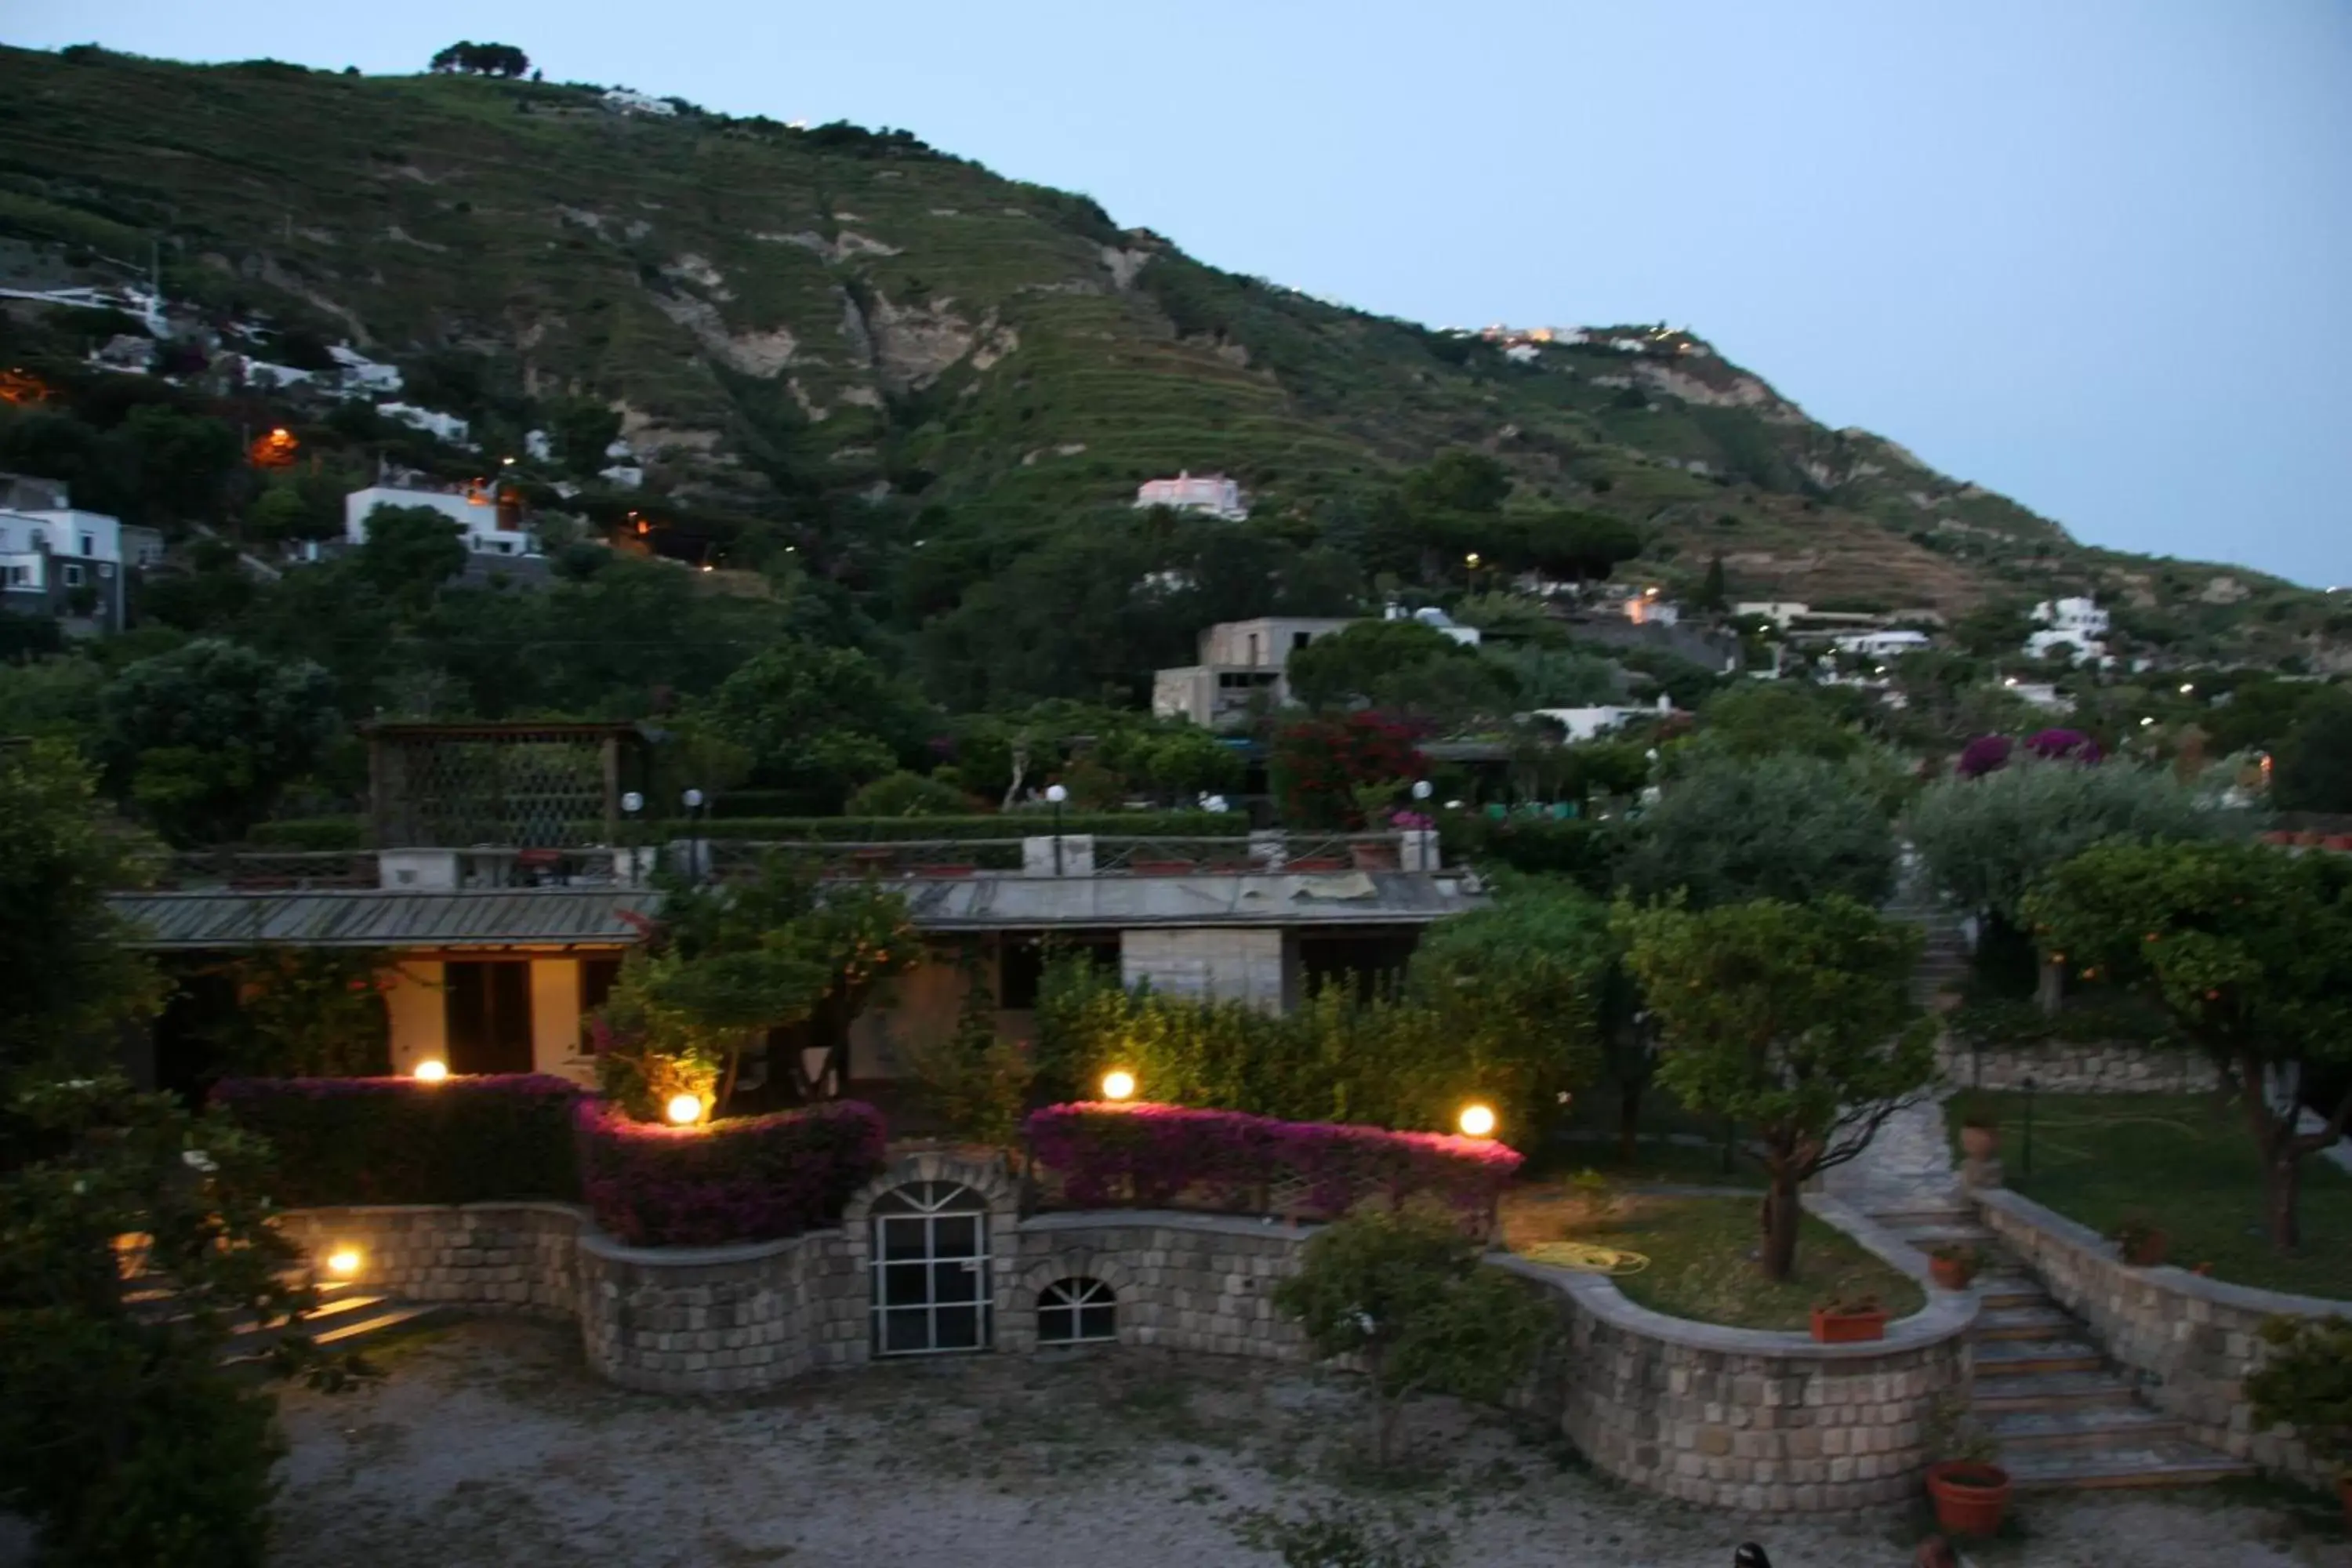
(2282, 1185)
(1780, 1212)
(2050, 989)
(1392, 1421)
(1629, 1121)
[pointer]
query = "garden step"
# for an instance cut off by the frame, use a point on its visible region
(2009, 1290)
(2161, 1462)
(380, 1318)
(2038, 1355)
(1996, 1392)
(2114, 1426)
(2027, 1322)
(1925, 1234)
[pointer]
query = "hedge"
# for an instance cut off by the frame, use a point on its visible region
(758, 1178)
(1002, 825)
(1580, 848)
(495, 1138)
(310, 833)
(1166, 1156)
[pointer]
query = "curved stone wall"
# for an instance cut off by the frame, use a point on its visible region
(2191, 1341)
(1737, 1418)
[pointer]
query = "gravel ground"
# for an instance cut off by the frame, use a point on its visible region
(489, 1444)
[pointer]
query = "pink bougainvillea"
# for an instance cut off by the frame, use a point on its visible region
(1985, 754)
(1160, 1156)
(758, 1178)
(2067, 745)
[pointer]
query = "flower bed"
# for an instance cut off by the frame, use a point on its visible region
(344, 1141)
(1166, 1156)
(761, 1178)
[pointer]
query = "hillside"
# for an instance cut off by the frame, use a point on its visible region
(853, 343)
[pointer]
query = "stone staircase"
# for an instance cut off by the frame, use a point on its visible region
(2064, 1419)
(347, 1317)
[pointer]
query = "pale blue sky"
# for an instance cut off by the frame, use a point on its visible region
(2096, 254)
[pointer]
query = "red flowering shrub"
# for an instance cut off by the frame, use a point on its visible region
(497, 1137)
(758, 1178)
(1985, 754)
(1166, 1156)
(1319, 763)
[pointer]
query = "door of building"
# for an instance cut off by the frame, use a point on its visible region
(487, 1010)
(930, 1285)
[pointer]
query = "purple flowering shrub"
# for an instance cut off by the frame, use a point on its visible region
(498, 1137)
(1985, 754)
(757, 1178)
(1168, 1156)
(2063, 745)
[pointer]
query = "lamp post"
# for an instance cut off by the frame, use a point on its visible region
(692, 801)
(631, 803)
(1054, 795)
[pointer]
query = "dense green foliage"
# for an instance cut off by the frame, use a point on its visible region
(1784, 824)
(2306, 1383)
(1406, 1294)
(1794, 1020)
(338, 1141)
(2245, 948)
(204, 737)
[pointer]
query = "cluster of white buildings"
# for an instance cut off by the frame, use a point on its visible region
(491, 518)
(2077, 624)
(1213, 495)
(61, 562)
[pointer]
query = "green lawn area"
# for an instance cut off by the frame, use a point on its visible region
(1654, 1161)
(2185, 1164)
(1698, 1251)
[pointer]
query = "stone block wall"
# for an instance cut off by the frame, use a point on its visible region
(2064, 1067)
(510, 1257)
(1186, 1281)
(2191, 1341)
(1764, 1422)
(722, 1319)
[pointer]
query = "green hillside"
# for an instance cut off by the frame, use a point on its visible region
(835, 344)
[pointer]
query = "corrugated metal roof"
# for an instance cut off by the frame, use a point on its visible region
(377, 917)
(1349, 898)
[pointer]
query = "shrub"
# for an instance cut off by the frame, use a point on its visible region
(497, 1138)
(1152, 1156)
(757, 1179)
(903, 793)
(1319, 763)
(1577, 847)
(2305, 1382)
(993, 825)
(308, 833)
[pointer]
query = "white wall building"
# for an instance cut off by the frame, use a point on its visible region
(57, 560)
(1586, 724)
(2079, 624)
(1212, 493)
(1882, 644)
(1780, 611)
(1437, 620)
(474, 508)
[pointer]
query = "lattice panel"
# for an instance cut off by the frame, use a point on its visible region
(532, 791)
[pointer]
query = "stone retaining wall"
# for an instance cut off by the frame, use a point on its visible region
(1732, 1417)
(501, 1257)
(2064, 1067)
(2191, 1341)
(1743, 1418)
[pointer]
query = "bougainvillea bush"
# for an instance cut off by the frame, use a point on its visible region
(1166, 1156)
(1318, 765)
(758, 1178)
(498, 1137)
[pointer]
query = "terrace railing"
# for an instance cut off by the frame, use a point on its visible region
(235, 870)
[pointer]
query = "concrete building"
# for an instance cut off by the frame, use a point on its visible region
(1214, 494)
(1780, 611)
(2076, 623)
(1241, 662)
(491, 518)
(61, 562)
(1588, 723)
(1882, 644)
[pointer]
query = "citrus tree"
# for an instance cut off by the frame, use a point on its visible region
(2246, 949)
(1796, 1021)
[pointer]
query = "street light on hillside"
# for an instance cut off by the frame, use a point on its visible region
(1054, 795)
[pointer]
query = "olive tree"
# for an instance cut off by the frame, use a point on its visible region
(1795, 1020)
(2246, 949)
(1784, 826)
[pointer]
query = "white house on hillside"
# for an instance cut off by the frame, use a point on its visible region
(2080, 623)
(1882, 644)
(1212, 493)
(491, 528)
(60, 561)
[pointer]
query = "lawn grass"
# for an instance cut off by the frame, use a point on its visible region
(2184, 1163)
(1700, 1255)
(1656, 1160)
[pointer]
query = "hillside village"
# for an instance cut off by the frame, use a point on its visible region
(629, 794)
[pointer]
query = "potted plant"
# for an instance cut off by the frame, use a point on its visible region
(1839, 1321)
(1373, 802)
(2306, 1383)
(2141, 1245)
(1980, 1137)
(1969, 1491)
(1954, 1264)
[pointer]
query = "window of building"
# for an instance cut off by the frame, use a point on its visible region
(487, 1011)
(1076, 1312)
(1300, 639)
(88, 546)
(1022, 958)
(20, 577)
(596, 978)
(73, 574)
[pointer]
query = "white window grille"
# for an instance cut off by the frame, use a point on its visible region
(931, 1270)
(1076, 1312)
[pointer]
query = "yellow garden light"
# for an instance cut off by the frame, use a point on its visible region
(1119, 1085)
(431, 1070)
(343, 1263)
(1477, 1120)
(684, 1109)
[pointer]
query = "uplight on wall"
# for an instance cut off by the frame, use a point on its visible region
(684, 1109)
(432, 1069)
(343, 1263)
(1119, 1085)
(1477, 1120)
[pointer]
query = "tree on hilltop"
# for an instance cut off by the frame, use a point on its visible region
(482, 59)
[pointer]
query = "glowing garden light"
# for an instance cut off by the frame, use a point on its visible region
(1477, 1120)
(684, 1109)
(1118, 1084)
(432, 1069)
(343, 1263)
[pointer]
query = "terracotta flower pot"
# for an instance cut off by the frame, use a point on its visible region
(1951, 1273)
(1848, 1328)
(1373, 857)
(1979, 1143)
(1970, 1499)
